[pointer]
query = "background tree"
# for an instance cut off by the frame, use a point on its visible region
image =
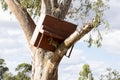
(45, 63)
(110, 75)
(85, 73)
(3, 68)
(24, 71)
(8, 76)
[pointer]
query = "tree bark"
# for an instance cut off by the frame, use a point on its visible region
(24, 19)
(45, 63)
(44, 69)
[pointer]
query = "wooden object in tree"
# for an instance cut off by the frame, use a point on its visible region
(50, 32)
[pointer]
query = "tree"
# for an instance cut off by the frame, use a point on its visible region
(8, 76)
(85, 74)
(45, 63)
(110, 75)
(24, 73)
(3, 68)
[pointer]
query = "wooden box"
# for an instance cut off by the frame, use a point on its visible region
(50, 32)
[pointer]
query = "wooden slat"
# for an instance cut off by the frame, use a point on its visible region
(45, 42)
(58, 27)
(35, 37)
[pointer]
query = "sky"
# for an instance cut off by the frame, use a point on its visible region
(14, 48)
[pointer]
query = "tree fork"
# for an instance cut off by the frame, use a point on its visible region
(44, 63)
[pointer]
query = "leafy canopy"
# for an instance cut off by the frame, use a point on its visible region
(110, 74)
(32, 6)
(23, 73)
(82, 13)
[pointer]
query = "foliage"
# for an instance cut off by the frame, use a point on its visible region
(24, 67)
(24, 72)
(4, 5)
(8, 76)
(32, 6)
(110, 75)
(98, 7)
(22, 76)
(3, 68)
(83, 13)
(1, 61)
(86, 12)
(85, 74)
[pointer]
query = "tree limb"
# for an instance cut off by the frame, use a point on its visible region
(72, 39)
(56, 3)
(24, 19)
(51, 7)
(64, 7)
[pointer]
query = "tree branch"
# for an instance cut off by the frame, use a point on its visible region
(64, 7)
(24, 19)
(51, 7)
(72, 39)
(56, 3)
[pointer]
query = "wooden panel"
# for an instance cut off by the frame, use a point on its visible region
(58, 27)
(35, 38)
(53, 35)
(49, 43)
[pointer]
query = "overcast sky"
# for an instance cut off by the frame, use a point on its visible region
(14, 48)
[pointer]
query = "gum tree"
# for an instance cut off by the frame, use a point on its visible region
(110, 74)
(89, 13)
